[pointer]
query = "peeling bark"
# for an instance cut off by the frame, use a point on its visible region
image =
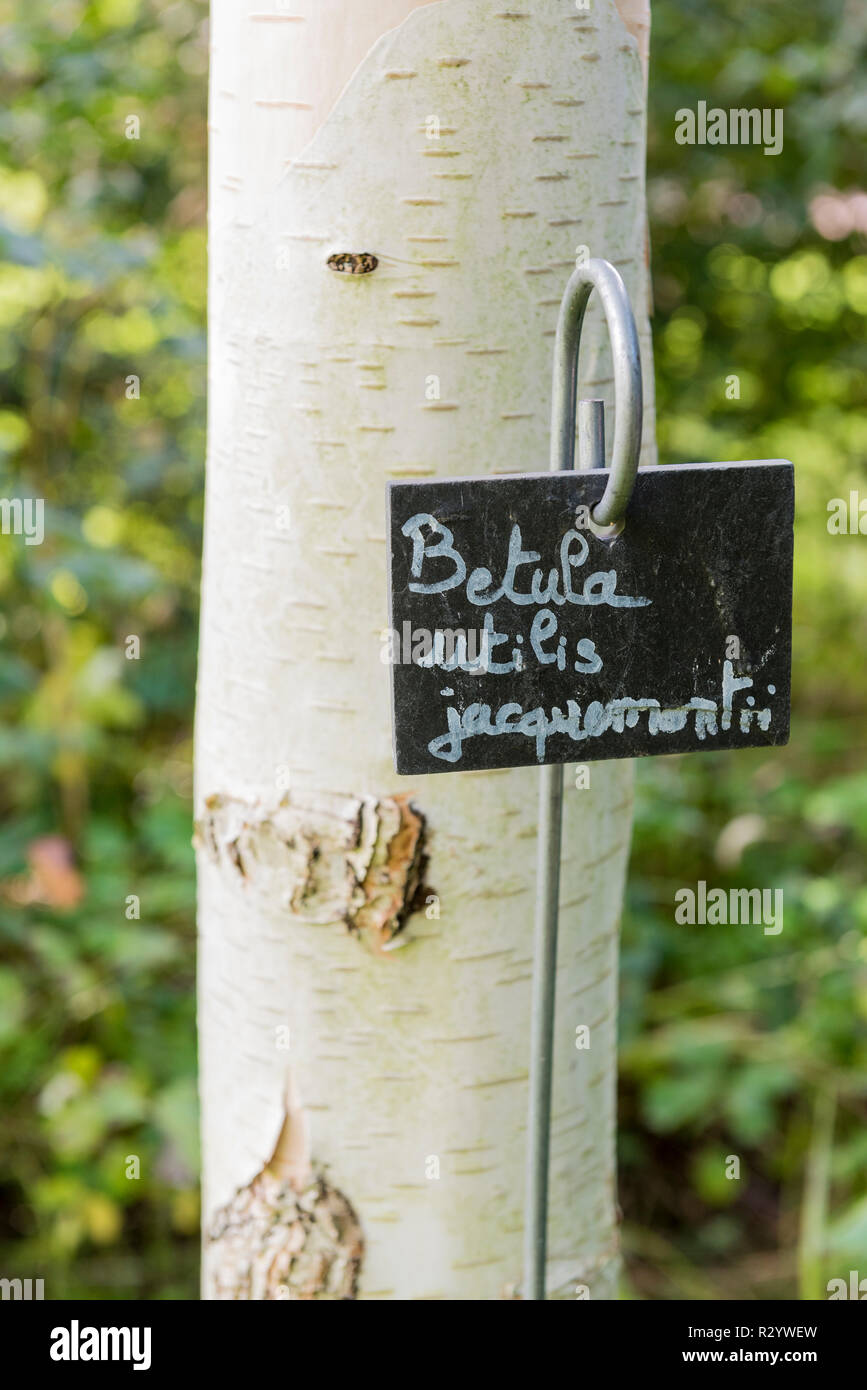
(636, 16)
(273, 1242)
(289, 1234)
(335, 858)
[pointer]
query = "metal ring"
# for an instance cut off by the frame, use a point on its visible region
(599, 275)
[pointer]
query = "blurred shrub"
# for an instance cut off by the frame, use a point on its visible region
(102, 299)
(738, 1044)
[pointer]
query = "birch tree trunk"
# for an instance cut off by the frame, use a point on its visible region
(365, 939)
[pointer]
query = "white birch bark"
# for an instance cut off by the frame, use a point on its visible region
(364, 1062)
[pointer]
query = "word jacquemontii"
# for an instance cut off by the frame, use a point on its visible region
(616, 715)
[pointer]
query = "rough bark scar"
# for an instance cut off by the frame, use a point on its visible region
(353, 262)
(274, 1242)
(356, 860)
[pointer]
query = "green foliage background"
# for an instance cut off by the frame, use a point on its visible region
(733, 1043)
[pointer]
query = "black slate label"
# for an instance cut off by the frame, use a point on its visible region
(518, 636)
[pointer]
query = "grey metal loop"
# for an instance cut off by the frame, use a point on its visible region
(601, 276)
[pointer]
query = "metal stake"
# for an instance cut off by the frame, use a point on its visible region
(591, 444)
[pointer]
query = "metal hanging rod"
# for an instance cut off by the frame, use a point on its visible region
(610, 511)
